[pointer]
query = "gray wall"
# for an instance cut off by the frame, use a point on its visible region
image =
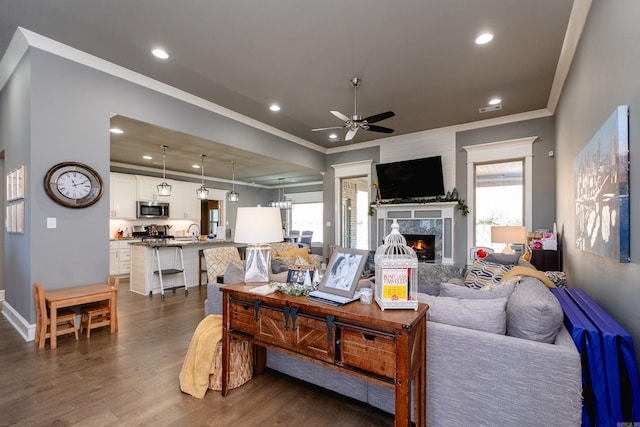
(605, 74)
(54, 110)
(543, 214)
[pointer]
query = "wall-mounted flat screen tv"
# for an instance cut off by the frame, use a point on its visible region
(411, 178)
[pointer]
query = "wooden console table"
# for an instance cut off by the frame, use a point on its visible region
(383, 347)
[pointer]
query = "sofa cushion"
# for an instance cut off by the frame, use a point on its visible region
(505, 259)
(533, 312)
(234, 274)
(482, 315)
(485, 274)
(278, 266)
(457, 291)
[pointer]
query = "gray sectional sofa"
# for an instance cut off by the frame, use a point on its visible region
(474, 377)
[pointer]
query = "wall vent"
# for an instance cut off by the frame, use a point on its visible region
(490, 108)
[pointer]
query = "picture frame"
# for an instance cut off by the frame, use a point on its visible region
(344, 271)
(297, 274)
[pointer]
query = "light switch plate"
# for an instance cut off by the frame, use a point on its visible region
(51, 223)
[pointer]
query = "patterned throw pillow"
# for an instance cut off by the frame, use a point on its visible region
(485, 274)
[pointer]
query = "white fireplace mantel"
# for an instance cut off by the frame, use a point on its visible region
(439, 215)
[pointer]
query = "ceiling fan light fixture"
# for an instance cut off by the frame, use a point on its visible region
(233, 196)
(164, 189)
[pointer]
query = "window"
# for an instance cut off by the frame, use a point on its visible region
(499, 188)
(498, 198)
(308, 216)
(352, 186)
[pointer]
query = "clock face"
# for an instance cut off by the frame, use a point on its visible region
(73, 184)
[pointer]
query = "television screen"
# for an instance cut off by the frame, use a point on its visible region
(411, 178)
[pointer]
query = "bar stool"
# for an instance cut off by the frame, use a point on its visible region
(202, 267)
(99, 315)
(66, 319)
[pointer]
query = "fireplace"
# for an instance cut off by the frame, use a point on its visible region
(424, 245)
(431, 222)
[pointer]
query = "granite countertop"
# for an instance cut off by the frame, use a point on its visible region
(186, 242)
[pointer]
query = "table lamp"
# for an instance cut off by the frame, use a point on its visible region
(257, 227)
(508, 234)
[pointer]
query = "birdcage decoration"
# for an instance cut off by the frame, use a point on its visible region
(396, 272)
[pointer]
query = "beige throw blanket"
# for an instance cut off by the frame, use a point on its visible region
(199, 360)
(519, 270)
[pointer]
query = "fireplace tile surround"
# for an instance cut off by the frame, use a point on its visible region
(429, 219)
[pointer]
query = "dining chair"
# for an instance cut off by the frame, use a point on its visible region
(218, 260)
(99, 315)
(305, 239)
(66, 319)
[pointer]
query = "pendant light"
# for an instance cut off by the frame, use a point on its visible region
(164, 189)
(202, 193)
(232, 195)
(282, 202)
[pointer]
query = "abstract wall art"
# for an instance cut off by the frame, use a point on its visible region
(602, 190)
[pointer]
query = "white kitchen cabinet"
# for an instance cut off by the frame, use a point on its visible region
(122, 196)
(183, 202)
(120, 256)
(147, 188)
(113, 258)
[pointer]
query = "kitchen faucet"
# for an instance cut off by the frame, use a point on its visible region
(193, 236)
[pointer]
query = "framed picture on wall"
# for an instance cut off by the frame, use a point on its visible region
(601, 172)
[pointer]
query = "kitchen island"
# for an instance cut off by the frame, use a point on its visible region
(142, 278)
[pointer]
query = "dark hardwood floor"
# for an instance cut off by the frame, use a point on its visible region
(131, 378)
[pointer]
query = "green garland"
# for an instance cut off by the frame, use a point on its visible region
(462, 205)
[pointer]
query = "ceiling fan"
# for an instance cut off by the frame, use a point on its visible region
(356, 122)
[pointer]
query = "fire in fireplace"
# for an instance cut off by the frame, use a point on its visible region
(424, 245)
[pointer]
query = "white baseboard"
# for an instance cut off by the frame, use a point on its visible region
(24, 328)
(1, 295)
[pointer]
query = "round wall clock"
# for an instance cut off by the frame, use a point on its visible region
(73, 184)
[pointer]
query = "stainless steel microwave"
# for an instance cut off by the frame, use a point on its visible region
(152, 210)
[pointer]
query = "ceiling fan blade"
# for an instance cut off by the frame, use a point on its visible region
(332, 127)
(341, 116)
(350, 134)
(379, 117)
(382, 129)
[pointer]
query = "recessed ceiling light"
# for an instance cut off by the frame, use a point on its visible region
(116, 130)
(484, 38)
(274, 107)
(495, 101)
(160, 53)
(333, 136)
(147, 157)
(195, 166)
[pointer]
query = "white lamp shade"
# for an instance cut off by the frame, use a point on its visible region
(508, 234)
(258, 225)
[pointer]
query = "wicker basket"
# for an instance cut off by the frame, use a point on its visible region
(240, 365)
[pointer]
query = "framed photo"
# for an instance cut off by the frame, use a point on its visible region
(343, 272)
(297, 274)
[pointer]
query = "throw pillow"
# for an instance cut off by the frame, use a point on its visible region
(295, 252)
(482, 315)
(505, 259)
(533, 312)
(484, 273)
(278, 266)
(457, 291)
(233, 274)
